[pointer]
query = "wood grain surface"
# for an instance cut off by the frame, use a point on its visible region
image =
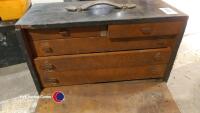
(102, 67)
(71, 48)
(119, 97)
(73, 77)
(97, 44)
(65, 33)
(145, 29)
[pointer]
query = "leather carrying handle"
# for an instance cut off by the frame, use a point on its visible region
(93, 3)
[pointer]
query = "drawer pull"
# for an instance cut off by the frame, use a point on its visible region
(161, 43)
(146, 31)
(157, 56)
(49, 67)
(64, 33)
(48, 50)
(103, 33)
(53, 81)
(153, 69)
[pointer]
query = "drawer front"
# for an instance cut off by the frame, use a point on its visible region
(103, 67)
(144, 29)
(75, 77)
(48, 34)
(91, 45)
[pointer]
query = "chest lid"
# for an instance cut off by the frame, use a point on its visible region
(117, 97)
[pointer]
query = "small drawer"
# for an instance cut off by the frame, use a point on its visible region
(144, 29)
(77, 32)
(93, 45)
(103, 67)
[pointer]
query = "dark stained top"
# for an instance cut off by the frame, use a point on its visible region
(54, 15)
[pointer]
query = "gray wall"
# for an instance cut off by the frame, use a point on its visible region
(10, 51)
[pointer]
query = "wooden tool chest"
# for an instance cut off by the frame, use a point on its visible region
(115, 63)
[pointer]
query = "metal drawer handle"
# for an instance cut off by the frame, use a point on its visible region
(92, 3)
(49, 67)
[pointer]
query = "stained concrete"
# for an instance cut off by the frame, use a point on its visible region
(16, 81)
(184, 82)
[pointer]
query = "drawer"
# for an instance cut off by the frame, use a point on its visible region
(102, 67)
(91, 45)
(75, 77)
(77, 32)
(144, 29)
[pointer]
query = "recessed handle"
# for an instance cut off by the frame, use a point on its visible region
(161, 43)
(48, 50)
(146, 30)
(64, 33)
(157, 56)
(53, 81)
(48, 67)
(93, 3)
(153, 69)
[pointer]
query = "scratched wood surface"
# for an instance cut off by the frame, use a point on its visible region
(75, 77)
(145, 29)
(66, 33)
(98, 44)
(102, 67)
(117, 97)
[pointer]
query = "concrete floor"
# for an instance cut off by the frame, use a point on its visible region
(184, 82)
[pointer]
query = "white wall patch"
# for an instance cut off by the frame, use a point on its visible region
(168, 11)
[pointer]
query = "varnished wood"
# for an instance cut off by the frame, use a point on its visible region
(97, 44)
(175, 51)
(51, 18)
(74, 77)
(71, 48)
(145, 29)
(82, 68)
(105, 60)
(119, 97)
(77, 32)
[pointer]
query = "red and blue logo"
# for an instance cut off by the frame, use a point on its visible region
(58, 96)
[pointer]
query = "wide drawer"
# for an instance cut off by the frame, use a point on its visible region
(92, 45)
(76, 32)
(144, 29)
(81, 76)
(102, 67)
